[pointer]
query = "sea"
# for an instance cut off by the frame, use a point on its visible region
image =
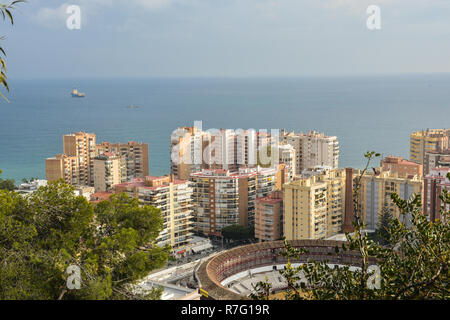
(366, 113)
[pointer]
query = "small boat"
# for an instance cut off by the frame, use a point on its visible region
(76, 94)
(132, 107)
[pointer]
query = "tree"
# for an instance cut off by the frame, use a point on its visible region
(237, 232)
(52, 229)
(413, 264)
(7, 184)
(381, 235)
(5, 12)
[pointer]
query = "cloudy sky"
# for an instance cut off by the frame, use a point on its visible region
(227, 38)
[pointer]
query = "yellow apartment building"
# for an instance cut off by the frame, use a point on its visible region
(314, 205)
(377, 188)
(425, 141)
(76, 165)
(62, 167)
(109, 170)
(82, 146)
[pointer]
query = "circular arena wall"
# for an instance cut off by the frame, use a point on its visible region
(211, 273)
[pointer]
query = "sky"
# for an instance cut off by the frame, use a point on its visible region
(227, 38)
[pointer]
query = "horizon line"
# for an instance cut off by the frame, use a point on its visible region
(237, 77)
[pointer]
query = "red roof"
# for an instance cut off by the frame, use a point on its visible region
(100, 196)
(399, 160)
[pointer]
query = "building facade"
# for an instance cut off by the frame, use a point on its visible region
(312, 149)
(287, 156)
(193, 150)
(63, 167)
(376, 190)
(187, 145)
(76, 165)
(434, 183)
(109, 170)
(84, 191)
(425, 141)
(174, 198)
(134, 153)
(401, 166)
(82, 146)
(314, 205)
(223, 198)
(268, 217)
(30, 187)
(436, 159)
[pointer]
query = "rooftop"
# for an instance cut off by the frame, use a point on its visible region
(311, 134)
(399, 160)
(432, 133)
(439, 174)
(242, 173)
(388, 174)
(170, 291)
(100, 196)
(269, 200)
(151, 183)
(273, 198)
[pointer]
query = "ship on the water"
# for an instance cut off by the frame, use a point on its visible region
(76, 94)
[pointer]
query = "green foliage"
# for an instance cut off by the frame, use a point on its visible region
(5, 13)
(381, 235)
(45, 233)
(7, 184)
(261, 290)
(237, 232)
(413, 261)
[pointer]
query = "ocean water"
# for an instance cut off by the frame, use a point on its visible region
(366, 113)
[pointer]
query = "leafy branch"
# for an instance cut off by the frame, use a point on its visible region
(5, 13)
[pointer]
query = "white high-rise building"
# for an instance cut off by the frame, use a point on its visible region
(187, 145)
(222, 149)
(246, 148)
(193, 149)
(287, 156)
(312, 149)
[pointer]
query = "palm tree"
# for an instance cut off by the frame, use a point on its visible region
(5, 13)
